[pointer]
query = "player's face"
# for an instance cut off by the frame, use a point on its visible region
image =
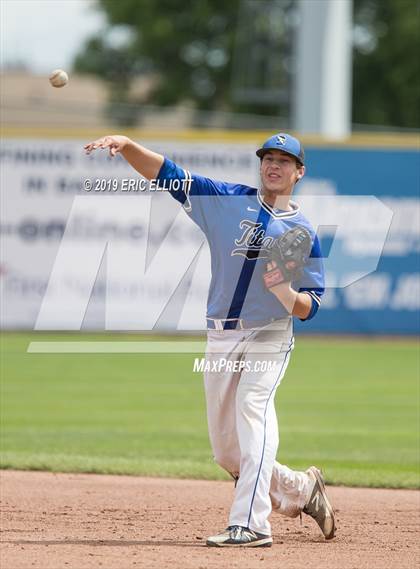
(280, 172)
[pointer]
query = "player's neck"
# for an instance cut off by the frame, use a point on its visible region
(276, 200)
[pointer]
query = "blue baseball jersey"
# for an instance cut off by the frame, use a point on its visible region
(241, 229)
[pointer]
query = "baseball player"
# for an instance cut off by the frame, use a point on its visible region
(266, 269)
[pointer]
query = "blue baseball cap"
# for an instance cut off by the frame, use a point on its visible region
(285, 143)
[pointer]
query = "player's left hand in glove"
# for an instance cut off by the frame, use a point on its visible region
(288, 256)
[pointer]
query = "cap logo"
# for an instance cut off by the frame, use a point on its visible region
(281, 139)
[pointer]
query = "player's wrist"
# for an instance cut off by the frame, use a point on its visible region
(126, 143)
(286, 295)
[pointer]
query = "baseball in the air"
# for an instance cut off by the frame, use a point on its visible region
(58, 78)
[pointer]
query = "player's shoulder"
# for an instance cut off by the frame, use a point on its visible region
(300, 219)
(241, 190)
(232, 189)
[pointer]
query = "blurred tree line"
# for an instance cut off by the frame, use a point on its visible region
(386, 69)
(224, 55)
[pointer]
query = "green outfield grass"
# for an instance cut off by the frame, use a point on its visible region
(349, 406)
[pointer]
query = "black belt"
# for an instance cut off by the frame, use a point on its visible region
(236, 323)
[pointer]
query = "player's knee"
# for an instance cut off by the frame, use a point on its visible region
(251, 405)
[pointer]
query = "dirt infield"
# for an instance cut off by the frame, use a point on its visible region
(88, 521)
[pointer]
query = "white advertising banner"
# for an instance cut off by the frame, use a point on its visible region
(135, 249)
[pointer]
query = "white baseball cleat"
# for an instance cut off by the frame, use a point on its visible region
(239, 536)
(318, 505)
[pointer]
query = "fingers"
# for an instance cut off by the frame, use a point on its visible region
(89, 147)
(104, 142)
(114, 149)
(94, 145)
(271, 265)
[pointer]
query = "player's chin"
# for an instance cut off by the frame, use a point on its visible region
(270, 185)
(275, 188)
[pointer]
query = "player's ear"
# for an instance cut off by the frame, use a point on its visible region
(301, 172)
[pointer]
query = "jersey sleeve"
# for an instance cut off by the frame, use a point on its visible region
(313, 279)
(197, 194)
(190, 184)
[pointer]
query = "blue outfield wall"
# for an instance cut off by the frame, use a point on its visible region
(387, 301)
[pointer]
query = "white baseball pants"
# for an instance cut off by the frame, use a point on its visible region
(242, 422)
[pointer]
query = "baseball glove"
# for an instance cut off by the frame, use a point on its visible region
(288, 256)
